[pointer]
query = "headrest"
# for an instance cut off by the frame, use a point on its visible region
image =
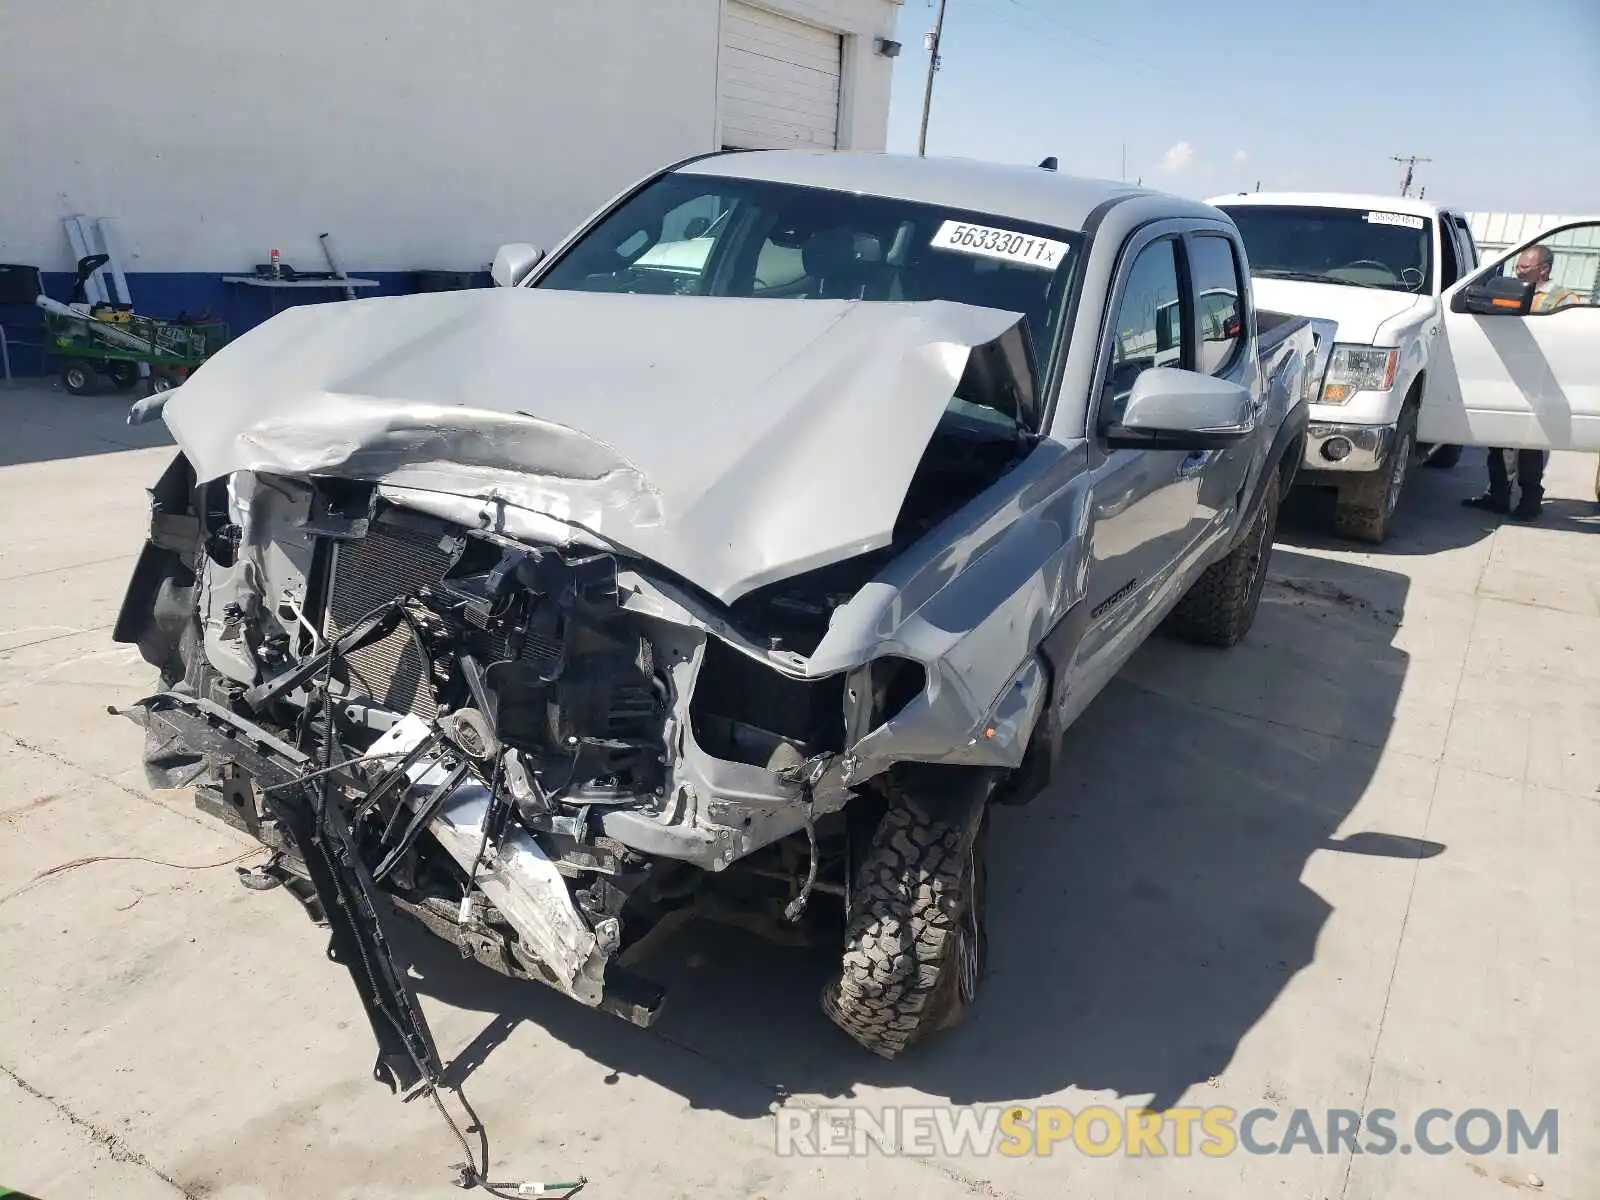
(834, 251)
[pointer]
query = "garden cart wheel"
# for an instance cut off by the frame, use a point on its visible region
(79, 378)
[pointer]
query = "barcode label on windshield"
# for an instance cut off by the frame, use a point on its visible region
(1404, 220)
(1024, 249)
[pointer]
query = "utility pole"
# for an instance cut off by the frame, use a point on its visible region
(1411, 161)
(927, 92)
(1124, 175)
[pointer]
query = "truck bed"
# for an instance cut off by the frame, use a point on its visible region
(1274, 328)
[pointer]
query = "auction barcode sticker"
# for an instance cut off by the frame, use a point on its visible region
(1024, 249)
(1405, 220)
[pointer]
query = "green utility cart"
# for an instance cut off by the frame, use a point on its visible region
(112, 343)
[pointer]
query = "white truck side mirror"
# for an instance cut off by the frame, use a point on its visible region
(512, 262)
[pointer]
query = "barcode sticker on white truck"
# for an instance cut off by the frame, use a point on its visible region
(1024, 249)
(1404, 220)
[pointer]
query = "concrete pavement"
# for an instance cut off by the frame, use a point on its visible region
(1350, 864)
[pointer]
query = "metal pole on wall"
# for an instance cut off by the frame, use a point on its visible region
(927, 91)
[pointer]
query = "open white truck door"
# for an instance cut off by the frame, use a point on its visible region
(1519, 366)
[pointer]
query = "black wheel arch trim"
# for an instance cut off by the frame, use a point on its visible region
(1287, 451)
(1042, 759)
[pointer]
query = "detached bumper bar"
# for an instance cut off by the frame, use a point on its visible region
(313, 817)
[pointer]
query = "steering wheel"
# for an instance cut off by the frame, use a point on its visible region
(1368, 262)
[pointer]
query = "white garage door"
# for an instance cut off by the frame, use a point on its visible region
(779, 81)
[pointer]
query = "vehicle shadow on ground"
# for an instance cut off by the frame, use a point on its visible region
(1575, 516)
(1430, 517)
(44, 422)
(1143, 916)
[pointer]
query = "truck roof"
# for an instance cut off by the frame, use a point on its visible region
(1026, 193)
(1353, 200)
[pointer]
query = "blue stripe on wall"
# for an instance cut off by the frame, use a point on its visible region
(192, 293)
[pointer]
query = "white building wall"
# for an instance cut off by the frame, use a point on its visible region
(418, 134)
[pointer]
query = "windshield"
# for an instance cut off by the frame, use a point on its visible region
(1355, 247)
(702, 235)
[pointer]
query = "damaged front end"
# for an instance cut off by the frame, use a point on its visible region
(538, 751)
(551, 749)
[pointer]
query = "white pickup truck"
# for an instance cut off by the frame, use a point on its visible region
(1433, 347)
(1377, 266)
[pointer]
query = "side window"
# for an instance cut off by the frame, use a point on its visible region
(1468, 245)
(1215, 272)
(1149, 329)
(1450, 252)
(1564, 268)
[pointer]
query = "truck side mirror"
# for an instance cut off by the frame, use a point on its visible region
(1173, 409)
(1497, 296)
(512, 262)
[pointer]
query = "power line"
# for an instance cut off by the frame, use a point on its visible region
(1056, 21)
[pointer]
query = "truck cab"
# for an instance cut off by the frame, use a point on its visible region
(1376, 266)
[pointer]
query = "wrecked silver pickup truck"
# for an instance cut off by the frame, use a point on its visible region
(747, 573)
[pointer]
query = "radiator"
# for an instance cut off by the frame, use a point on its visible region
(390, 561)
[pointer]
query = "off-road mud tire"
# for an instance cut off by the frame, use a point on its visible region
(915, 946)
(1220, 606)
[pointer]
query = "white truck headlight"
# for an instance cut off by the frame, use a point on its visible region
(1355, 369)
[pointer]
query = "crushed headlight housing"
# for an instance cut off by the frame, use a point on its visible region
(1355, 369)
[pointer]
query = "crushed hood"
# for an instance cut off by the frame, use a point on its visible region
(1360, 312)
(732, 441)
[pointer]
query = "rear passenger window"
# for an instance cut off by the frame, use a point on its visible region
(1150, 330)
(1218, 291)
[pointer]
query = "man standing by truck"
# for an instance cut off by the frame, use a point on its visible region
(1533, 265)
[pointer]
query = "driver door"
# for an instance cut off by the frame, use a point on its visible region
(1503, 376)
(1142, 502)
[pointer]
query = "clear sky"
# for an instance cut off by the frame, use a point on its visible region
(1502, 95)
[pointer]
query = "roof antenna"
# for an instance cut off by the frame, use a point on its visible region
(1049, 164)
